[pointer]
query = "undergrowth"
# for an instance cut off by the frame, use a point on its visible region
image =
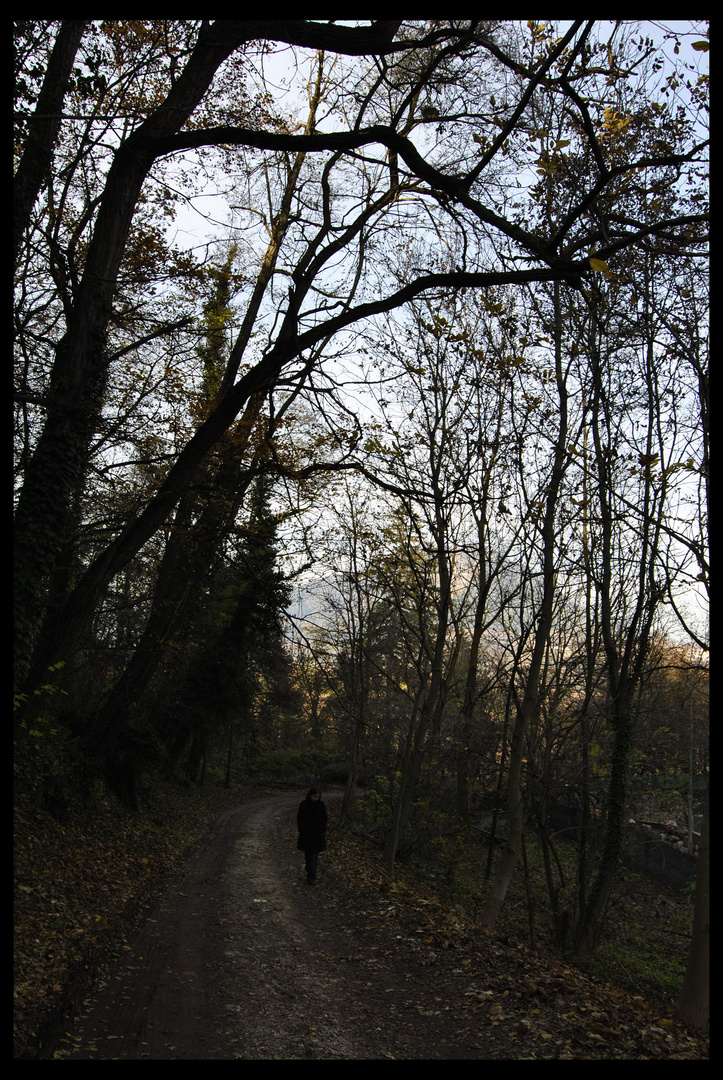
(644, 940)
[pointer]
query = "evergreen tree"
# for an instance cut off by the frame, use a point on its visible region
(241, 659)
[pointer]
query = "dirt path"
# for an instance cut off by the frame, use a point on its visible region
(243, 960)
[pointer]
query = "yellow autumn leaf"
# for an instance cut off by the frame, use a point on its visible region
(613, 122)
(599, 266)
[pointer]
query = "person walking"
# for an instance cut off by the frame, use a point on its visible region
(311, 820)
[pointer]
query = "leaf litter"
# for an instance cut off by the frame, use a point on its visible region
(432, 983)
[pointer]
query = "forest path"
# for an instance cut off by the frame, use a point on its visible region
(242, 959)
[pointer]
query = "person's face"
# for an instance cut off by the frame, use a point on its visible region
(314, 798)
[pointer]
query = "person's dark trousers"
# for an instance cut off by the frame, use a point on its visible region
(312, 859)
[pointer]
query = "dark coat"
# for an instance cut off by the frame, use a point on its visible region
(311, 819)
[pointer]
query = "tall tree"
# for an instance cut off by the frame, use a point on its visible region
(530, 703)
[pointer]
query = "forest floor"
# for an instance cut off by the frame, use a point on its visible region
(238, 958)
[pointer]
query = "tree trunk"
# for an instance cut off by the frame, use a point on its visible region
(470, 693)
(515, 808)
(615, 822)
(359, 728)
(693, 1006)
(44, 125)
(411, 771)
